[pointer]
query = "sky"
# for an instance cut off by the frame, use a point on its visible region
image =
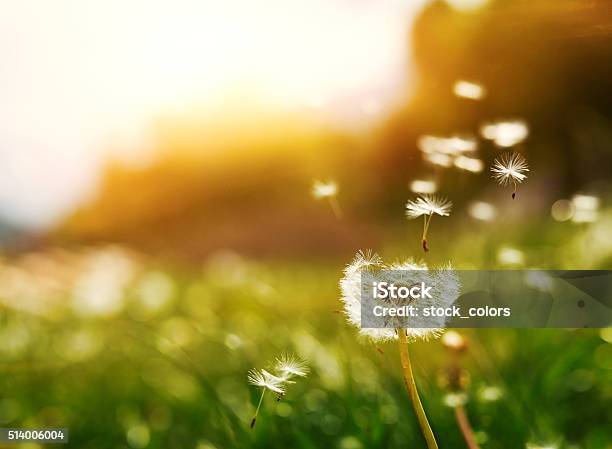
(84, 80)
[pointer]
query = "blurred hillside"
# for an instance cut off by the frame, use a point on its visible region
(244, 183)
(227, 183)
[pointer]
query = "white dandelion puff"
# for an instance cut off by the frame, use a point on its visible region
(427, 206)
(266, 380)
(510, 168)
(327, 190)
(445, 291)
(289, 366)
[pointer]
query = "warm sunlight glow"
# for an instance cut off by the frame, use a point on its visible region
(80, 79)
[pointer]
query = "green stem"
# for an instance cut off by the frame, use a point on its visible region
(412, 391)
(263, 391)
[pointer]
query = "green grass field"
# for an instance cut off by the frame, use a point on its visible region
(167, 369)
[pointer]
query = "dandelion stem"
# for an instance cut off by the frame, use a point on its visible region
(412, 391)
(333, 202)
(426, 221)
(466, 428)
(263, 391)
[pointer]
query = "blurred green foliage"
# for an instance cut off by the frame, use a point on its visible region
(167, 367)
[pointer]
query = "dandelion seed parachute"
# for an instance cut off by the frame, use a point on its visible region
(289, 366)
(264, 379)
(510, 168)
(427, 206)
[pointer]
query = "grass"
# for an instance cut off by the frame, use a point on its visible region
(176, 377)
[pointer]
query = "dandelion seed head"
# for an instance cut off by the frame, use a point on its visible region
(428, 205)
(469, 164)
(445, 290)
(483, 211)
(290, 365)
(505, 133)
(468, 89)
(264, 379)
(509, 168)
(321, 189)
(422, 186)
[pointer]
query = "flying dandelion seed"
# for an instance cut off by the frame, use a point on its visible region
(468, 89)
(510, 168)
(262, 378)
(505, 133)
(421, 186)
(427, 206)
(327, 190)
(445, 286)
(288, 366)
(267, 381)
